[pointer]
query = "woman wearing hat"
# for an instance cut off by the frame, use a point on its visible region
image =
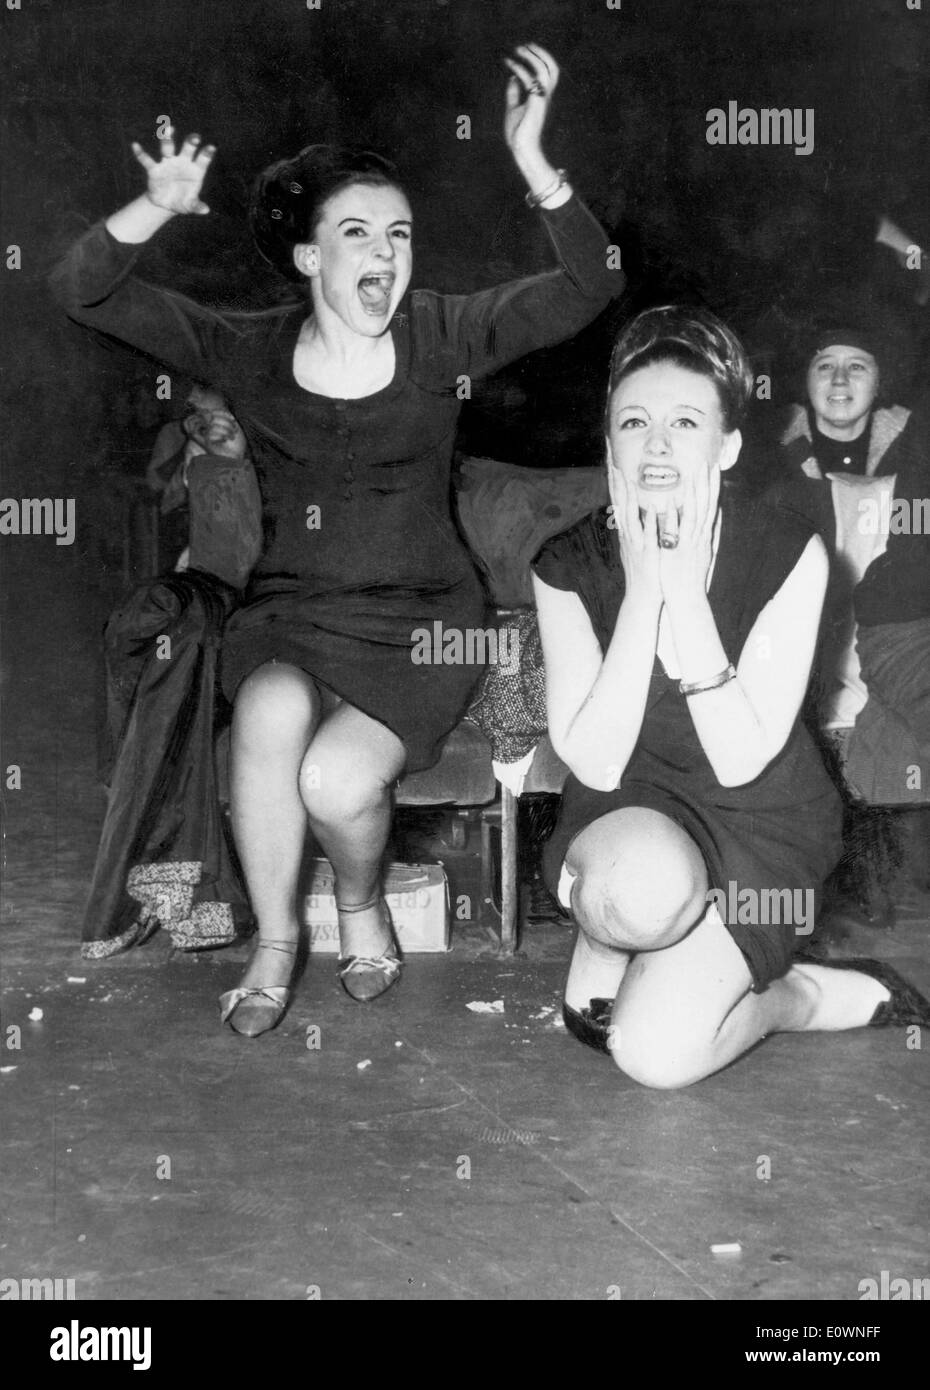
(858, 466)
(349, 401)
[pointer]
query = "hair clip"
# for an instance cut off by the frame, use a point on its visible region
(297, 188)
(277, 214)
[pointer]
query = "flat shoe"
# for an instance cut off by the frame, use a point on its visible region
(591, 1025)
(258, 1009)
(252, 1012)
(365, 977)
(906, 1006)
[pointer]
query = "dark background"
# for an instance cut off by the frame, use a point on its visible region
(760, 234)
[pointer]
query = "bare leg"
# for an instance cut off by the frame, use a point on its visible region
(277, 711)
(595, 972)
(346, 783)
(686, 1011)
(685, 1006)
(602, 858)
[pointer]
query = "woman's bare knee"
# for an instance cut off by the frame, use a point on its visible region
(655, 1055)
(349, 769)
(641, 882)
(277, 704)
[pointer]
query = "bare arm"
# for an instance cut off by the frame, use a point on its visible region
(744, 724)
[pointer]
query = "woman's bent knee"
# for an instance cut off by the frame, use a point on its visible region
(338, 784)
(636, 910)
(277, 704)
(655, 1057)
(642, 883)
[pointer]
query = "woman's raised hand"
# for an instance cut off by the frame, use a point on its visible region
(175, 180)
(638, 539)
(534, 75)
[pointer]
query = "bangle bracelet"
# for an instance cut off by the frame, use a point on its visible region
(533, 200)
(698, 687)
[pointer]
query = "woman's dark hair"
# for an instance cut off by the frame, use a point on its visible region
(692, 338)
(288, 198)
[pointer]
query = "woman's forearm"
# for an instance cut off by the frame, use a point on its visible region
(726, 724)
(540, 175)
(138, 221)
(600, 739)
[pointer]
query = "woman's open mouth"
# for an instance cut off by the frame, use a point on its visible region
(658, 477)
(375, 292)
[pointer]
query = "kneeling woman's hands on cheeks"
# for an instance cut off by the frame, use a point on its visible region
(637, 537)
(684, 567)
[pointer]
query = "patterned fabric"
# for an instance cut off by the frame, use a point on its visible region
(164, 856)
(166, 892)
(510, 706)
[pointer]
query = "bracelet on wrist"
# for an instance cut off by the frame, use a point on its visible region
(698, 687)
(533, 200)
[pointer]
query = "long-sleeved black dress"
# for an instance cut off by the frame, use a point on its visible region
(339, 591)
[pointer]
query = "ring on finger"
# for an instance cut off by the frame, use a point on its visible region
(668, 542)
(536, 89)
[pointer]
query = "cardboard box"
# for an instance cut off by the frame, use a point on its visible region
(417, 894)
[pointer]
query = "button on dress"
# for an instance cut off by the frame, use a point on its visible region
(360, 548)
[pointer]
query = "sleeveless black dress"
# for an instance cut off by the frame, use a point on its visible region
(781, 831)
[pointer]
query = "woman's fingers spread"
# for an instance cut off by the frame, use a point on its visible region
(189, 148)
(166, 141)
(205, 154)
(144, 159)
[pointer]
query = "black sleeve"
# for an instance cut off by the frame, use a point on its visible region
(94, 285)
(556, 563)
(476, 334)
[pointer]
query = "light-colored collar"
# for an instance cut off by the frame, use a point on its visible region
(887, 424)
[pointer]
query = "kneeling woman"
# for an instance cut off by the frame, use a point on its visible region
(678, 631)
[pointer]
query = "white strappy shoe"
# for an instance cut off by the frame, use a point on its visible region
(365, 977)
(258, 1009)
